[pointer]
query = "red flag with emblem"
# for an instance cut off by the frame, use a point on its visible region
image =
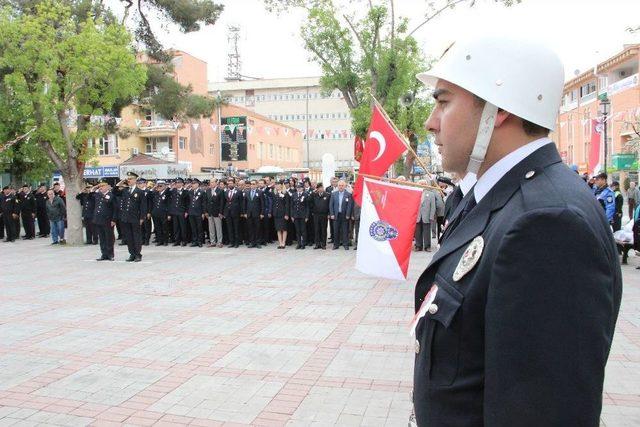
(357, 148)
(382, 147)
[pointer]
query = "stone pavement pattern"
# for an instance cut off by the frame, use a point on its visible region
(225, 337)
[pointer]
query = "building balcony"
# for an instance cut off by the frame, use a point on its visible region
(157, 131)
(167, 156)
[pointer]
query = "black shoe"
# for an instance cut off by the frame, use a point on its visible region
(158, 244)
(102, 259)
(131, 258)
(324, 247)
(258, 246)
(165, 244)
(122, 244)
(184, 244)
(336, 247)
(87, 243)
(54, 243)
(316, 247)
(302, 247)
(298, 247)
(346, 248)
(199, 245)
(137, 259)
(193, 245)
(176, 244)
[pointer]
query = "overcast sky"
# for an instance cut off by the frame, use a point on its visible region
(583, 32)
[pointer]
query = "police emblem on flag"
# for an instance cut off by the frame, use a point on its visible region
(382, 230)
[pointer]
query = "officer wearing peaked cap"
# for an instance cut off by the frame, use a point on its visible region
(104, 219)
(516, 311)
(132, 214)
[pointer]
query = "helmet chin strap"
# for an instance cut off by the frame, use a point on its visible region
(485, 129)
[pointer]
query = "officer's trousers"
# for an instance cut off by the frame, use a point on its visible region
(133, 236)
(195, 221)
(301, 231)
(253, 226)
(28, 222)
(43, 223)
(320, 228)
(91, 233)
(215, 230)
(106, 238)
(10, 227)
(160, 226)
(146, 231)
(179, 228)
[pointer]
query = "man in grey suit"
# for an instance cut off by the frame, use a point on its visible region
(340, 208)
(426, 217)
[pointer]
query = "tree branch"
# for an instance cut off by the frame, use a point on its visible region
(435, 14)
(55, 158)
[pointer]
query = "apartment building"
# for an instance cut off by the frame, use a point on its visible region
(615, 80)
(324, 120)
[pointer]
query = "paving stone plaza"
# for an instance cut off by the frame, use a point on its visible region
(226, 337)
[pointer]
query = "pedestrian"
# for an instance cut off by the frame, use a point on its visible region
(159, 212)
(27, 202)
(605, 196)
(178, 203)
(253, 213)
(340, 207)
(516, 311)
(56, 212)
(320, 213)
(266, 195)
(619, 202)
(104, 219)
(195, 212)
(232, 212)
(214, 207)
(10, 213)
(300, 214)
(133, 215)
(87, 201)
(632, 198)
(355, 218)
(281, 209)
(426, 217)
(41, 210)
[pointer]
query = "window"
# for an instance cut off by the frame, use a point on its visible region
(107, 145)
(155, 145)
(211, 150)
(271, 153)
(587, 89)
(261, 150)
(182, 142)
(573, 95)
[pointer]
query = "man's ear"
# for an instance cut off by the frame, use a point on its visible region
(501, 117)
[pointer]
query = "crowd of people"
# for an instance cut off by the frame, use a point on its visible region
(218, 212)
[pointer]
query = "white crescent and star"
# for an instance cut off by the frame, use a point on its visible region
(381, 142)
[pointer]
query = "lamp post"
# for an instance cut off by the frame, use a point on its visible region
(605, 108)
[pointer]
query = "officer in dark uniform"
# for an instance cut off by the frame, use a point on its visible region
(178, 201)
(87, 200)
(254, 213)
(619, 202)
(10, 213)
(132, 215)
(41, 210)
(516, 311)
(300, 214)
(1, 215)
(290, 188)
(147, 225)
(195, 211)
(104, 219)
(159, 212)
(118, 192)
(27, 203)
(266, 223)
(233, 209)
(320, 212)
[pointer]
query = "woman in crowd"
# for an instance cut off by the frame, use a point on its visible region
(281, 207)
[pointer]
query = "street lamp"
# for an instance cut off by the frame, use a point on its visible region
(605, 109)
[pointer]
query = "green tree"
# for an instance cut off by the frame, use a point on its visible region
(52, 65)
(373, 53)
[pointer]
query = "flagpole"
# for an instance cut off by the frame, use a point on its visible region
(402, 137)
(399, 181)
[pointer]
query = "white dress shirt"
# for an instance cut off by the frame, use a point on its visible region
(495, 173)
(467, 183)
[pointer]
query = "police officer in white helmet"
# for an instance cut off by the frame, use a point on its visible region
(516, 312)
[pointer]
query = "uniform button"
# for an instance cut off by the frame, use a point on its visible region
(417, 346)
(529, 174)
(433, 308)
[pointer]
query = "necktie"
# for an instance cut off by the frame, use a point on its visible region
(470, 203)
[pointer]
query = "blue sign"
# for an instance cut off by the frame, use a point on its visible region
(101, 172)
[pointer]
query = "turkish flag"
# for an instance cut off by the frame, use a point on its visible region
(358, 146)
(594, 155)
(383, 147)
(387, 224)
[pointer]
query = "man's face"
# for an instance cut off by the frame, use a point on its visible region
(341, 186)
(131, 182)
(230, 184)
(41, 189)
(454, 122)
(142, 185)
(278, 187)
(179, 185)
(261, 184)
(104, 189)
(600, 182)
(254, 185)
(320, 189)
(213, 184)
(334, 182)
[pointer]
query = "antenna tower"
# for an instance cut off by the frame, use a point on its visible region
(234, 63)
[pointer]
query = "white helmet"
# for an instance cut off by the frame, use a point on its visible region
(519, 76)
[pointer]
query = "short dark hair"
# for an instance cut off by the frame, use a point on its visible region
(531, 129)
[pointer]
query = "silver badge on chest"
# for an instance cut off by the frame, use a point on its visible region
(469, 258)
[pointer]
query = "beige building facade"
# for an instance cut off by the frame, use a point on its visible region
(323, 120)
